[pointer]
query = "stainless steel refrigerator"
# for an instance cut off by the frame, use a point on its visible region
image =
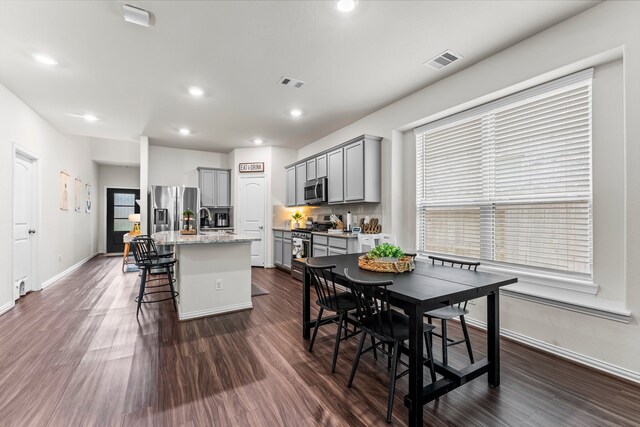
(166, 205)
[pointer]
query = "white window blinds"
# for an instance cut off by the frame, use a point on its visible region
(510, 181)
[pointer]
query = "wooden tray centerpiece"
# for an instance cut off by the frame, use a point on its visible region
(387, 258)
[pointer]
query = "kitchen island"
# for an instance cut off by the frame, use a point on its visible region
(213, 272)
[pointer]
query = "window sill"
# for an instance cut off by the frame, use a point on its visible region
(561, 292)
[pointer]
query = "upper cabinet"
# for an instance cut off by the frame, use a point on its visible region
(321, 166)
(352, 169)
(291, 186)
(215, 187)
(301, 178)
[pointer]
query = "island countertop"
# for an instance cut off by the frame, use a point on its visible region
(175, 238)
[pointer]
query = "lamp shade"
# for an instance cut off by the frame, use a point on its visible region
(134, 217)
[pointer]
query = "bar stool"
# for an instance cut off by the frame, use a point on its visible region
(147, 259)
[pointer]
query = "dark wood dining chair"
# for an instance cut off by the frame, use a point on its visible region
(390, 329)
(451, 312)
(148, 260)
(334, 300)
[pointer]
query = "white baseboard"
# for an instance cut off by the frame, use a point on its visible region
(8, 306)
(60, 275)
(564, 353)
(215, 311)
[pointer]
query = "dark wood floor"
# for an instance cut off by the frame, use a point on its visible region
(74, 355)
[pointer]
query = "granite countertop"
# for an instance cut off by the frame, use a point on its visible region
(175, 238)
(281, 229)
(338, 235)
(216, 228)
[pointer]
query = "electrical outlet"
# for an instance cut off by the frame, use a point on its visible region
(218, 284)
(59, 257)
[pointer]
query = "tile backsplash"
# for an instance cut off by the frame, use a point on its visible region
(358, 210)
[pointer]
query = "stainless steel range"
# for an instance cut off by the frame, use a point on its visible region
(301, 244)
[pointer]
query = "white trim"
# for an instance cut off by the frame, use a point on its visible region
(215, 311)
(563, 353)
(8, 306)
(60, 275)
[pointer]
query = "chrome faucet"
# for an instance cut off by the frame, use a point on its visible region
(198, 216)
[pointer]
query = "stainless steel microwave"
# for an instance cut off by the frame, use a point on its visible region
(315, 191)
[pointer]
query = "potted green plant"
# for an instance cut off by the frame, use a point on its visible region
(386, 253)
(187, 215)
(297, 216)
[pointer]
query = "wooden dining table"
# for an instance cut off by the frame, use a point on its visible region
(426, 288)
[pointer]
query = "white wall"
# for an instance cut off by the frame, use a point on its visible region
(115, 152)
(605, 33)
(115, 177)
(68, 234)
(173, 166)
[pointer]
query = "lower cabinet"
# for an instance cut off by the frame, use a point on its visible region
(327, 246)
(282, 249)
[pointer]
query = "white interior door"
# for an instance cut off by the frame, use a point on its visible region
(252, 214)
(24, 240)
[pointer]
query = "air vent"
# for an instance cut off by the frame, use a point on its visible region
(445, 58)
(288, 81)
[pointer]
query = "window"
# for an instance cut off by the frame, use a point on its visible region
(509, 182)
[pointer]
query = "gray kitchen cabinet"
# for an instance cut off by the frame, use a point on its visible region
(301, 178)
(354, 172)
(286, 251)
(282, 246)
(311, 169)
(277, 251)
(291, 186)
(319, 250)
(335, 177)
(207, 179)
(321, 166)
(290, 199)
(334, 251)
(223, 187)
(215, 187)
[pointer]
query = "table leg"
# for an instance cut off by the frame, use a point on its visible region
(416, 384)
(493, 338)
(306, 304)
(126, 254)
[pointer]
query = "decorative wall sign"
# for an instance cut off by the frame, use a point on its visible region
(78, 195)
(87, 190)
(252, 167)
(64, 190)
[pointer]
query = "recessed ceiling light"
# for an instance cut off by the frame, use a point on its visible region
(90, 118)
(295, 112)
(346, 5)
(257, 141)
(196, 91)
(44, 59)
(184, 131)
(136, 15)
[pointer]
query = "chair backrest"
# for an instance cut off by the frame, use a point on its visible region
(144, 250)
(387, 238)
(372, 305)
(323, 280)
(454, 263)
(366, 242)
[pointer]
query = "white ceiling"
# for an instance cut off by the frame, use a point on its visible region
(135, 79)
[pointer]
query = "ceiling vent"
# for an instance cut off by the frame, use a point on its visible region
(445, 58)
(288, 81)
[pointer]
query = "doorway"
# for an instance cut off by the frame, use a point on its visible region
(252, 214)
(121, 202)
(25, 208)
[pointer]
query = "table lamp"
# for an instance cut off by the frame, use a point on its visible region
(135, 219)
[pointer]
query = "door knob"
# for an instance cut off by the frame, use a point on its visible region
(32, 231)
